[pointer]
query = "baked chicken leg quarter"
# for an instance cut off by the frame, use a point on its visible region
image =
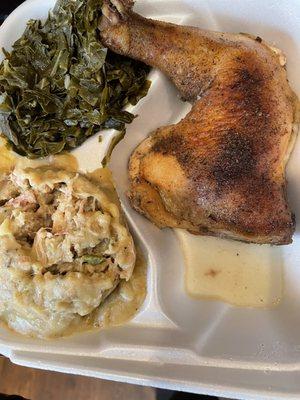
(220, 170)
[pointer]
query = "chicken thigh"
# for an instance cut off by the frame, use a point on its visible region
(220, 170)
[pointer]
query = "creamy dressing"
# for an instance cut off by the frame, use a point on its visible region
(121, 305)
(10, 159)
(64, 161)
(125, 300)
(7, 157)
(238, 273)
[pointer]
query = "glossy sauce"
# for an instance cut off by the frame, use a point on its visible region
(238, 273)
(64, 161)
(7, 157)
(125, 301)
(122, 305)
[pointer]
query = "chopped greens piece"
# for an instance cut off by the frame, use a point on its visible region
(116, 139)
(92, 259)
(59, 85)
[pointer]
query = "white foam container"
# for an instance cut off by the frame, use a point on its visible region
(177, 342)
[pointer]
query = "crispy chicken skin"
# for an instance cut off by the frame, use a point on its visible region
(221, 170)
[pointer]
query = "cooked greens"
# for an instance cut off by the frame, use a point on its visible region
(92, 259)
(59, 85)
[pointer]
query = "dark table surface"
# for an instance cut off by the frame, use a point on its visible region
(6, 7)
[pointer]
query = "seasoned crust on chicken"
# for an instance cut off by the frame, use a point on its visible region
(221, 170)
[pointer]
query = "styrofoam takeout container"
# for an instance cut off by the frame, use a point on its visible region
(175, 341)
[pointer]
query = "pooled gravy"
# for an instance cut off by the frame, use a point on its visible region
(238, 273)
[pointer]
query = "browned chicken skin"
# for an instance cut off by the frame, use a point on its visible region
(221, 170)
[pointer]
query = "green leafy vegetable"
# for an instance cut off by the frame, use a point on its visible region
(92, 259)
(59, 85)
(116, 139)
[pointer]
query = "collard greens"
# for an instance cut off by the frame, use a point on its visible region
(59, 85)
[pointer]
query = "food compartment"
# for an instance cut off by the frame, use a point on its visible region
(170, 318)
